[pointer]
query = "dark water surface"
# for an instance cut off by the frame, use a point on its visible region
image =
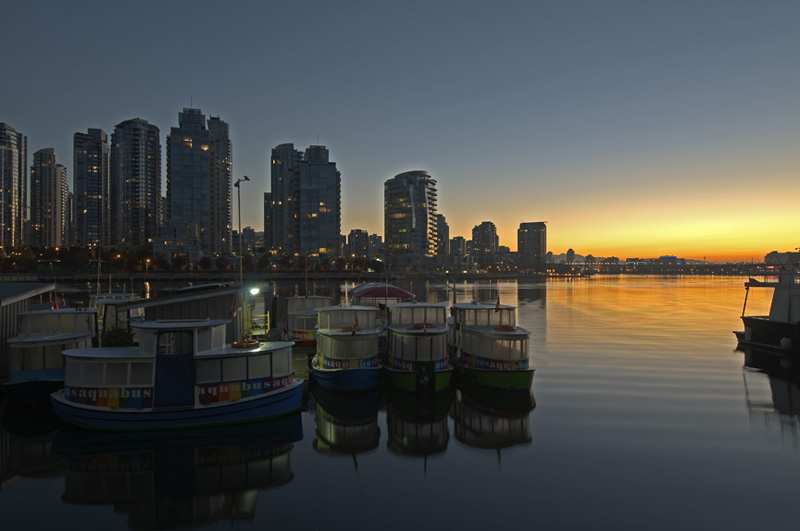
(645, 418)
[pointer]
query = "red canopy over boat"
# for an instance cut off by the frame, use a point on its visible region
(377, 290)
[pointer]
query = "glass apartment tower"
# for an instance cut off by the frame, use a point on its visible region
(13, 186)
(410, 221)
(532, 245)
(91, 185)
(135, 177)
(199, 165)
(49, 199)
(306, 193)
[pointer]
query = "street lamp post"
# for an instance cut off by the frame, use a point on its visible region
(239, 201)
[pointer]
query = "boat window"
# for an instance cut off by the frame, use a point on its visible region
(175, 342)
(141, 373)
(282, 362)
(208, 371)
(91, 374)
(116, 373)
(234, 369)
(259, 366)
(72, 371)
(203, 339)
(218, 337)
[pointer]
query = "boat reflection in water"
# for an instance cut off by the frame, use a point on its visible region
(31, 429)
(176, 479)
(772, 392)
(347, 424)
(417, 423)
(492, 418)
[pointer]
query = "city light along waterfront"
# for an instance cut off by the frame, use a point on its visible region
(641, 405)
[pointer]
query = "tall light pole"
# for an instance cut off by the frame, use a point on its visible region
(239, 201)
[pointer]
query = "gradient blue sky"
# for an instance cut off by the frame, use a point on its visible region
(634, 128)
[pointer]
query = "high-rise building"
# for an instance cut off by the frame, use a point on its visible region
(532, 245)
(221, 211)
(306, 201)
(91, 185)
(376, 247)
(285, 159)
(458, 246)
(268, 221)
(135, 177)
(49, 200)
(13, 186)
(358, 244)
(484, 243)
(410, 215)
(199, 179)
(442, 235)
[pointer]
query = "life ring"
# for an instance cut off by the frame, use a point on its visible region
(246, 343)
(420, 326)
(505, 328)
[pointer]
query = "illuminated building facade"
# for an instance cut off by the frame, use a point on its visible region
(91, 185)
(13, 186)
(410, 222)
(135, 177)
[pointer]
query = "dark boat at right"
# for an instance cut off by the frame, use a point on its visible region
(779, 331)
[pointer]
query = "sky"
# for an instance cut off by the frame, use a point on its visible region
(633, 128)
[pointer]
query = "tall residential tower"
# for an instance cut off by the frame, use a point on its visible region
(199, 158)
(306, 193)
(91, 187)
(410, 221)
(13, 186)
(135, 177)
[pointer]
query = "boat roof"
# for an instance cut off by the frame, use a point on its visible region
(418, 305)
(67, 309)
(310, 297)
(179, 324)
(11, 292)
(490, 330)
(346, 308)
(108, 352)
(121, 353)
(48, 337)
(380, 290)
(481, 306)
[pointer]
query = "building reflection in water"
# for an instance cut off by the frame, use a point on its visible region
(347, 424)
(28, 433)
(492, 418)
(417, 422)
(176, 479)
(772, 392)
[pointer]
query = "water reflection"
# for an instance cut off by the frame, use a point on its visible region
(175, 479)
(772, 393)
(347, 424)
(417, 422)
(492, 419)
(30, 430)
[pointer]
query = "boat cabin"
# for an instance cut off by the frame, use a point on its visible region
(43, 334)
(177, 364)
(484, 314)
(488, 348)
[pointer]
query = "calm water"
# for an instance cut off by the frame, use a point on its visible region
(644, 418)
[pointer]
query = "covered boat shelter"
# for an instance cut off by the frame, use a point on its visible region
(15, 298)
(213, 301)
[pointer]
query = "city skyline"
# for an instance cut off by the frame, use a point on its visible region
(632, 129)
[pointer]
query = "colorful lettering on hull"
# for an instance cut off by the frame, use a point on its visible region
(339, 363)
(112, 397)
(213, 393)
(406, 365)
(478, 362)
